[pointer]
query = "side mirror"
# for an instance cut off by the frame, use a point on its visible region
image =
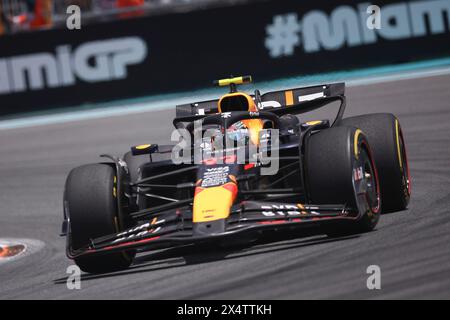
(144, 149)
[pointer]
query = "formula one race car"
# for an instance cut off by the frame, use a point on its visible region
(334, 177)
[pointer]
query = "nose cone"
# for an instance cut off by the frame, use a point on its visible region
(213, 203)
(212, 206)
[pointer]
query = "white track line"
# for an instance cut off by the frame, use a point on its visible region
(398, 77)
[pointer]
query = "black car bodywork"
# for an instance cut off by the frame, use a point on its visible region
(156, 209)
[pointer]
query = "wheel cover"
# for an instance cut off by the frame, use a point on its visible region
(366, 181)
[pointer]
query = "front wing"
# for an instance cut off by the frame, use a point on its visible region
(175, 228)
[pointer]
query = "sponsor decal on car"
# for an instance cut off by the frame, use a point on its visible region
(139, 231)
(215, 176)
(358, 173)
(282, 210)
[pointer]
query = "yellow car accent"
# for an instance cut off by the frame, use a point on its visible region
(289, 95)
(212, 204)
(313, 123)
(355, 143)
(397, 136)
(235, 80)
(114, 187)
(143, 146)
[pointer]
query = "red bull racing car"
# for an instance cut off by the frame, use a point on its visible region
(333, 176)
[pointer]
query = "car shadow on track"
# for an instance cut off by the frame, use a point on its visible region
(190, 255)
(394, 211)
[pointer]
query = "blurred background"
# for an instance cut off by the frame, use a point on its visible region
(28, 15)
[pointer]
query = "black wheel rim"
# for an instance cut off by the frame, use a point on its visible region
(368, 181)
(405, 169)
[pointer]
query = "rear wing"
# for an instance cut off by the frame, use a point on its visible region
(311, 97)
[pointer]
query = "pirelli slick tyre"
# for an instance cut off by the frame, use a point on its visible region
(388, 146)
(91, 205)
(340, 169)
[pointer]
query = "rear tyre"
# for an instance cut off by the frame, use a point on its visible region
(386, 141)
(340, 170)
(91, 205)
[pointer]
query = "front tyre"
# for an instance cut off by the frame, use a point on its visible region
(91, 205)
(388, 145)
(341, 170)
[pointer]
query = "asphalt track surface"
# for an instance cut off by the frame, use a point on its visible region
(411, 247)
